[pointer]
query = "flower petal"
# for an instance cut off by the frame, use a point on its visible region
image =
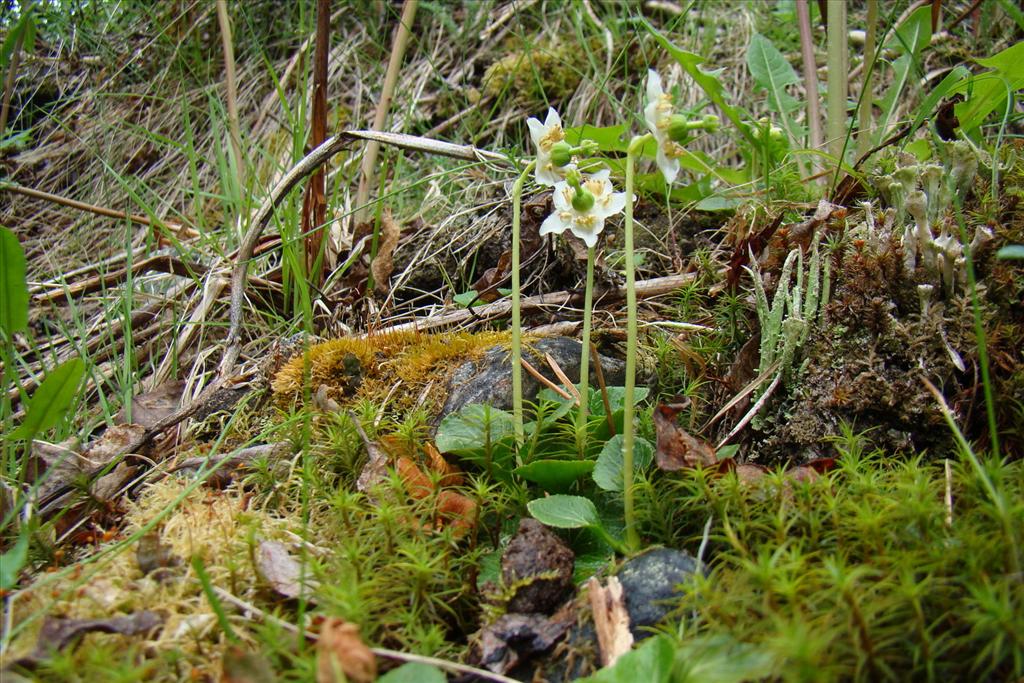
(589, 237)
(553, 225)
(654, 89)
(669, 167)
(553, 119)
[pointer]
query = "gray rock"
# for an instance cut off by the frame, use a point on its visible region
(650, 585)
(489, 379)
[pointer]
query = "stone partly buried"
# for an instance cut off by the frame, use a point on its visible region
(546, 630)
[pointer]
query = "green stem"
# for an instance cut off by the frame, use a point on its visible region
(517, 353)
(632, 536)
(588, 304)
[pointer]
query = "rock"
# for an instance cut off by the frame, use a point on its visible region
(649, 582)
(533, 551)
(489, 379)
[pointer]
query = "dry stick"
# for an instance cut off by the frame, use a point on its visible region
(182, 230)
(366, 178)
(307, 165)
(545, 381)
(232, 88)
(810, 73)
(499, 309)
(599, 371)
(162, 263)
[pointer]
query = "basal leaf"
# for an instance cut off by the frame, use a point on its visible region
(565, 512)
(555, 475)
(608, 470)
(652, 662)
(772, 72)
(989, 90)
(472, 428)
(51, 400)
(13, 290)
(414, 672)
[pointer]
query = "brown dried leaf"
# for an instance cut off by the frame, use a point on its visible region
(278, 568)
(450, 474)
(611, 620)
(57, 633)
(416, 482)
(155, 558)
(151, 407)
(487, 285)
(109, 485)
(342, 655)
(676, 449)
(382, 263)
(456, 510)
(112, 443)
(239, 666)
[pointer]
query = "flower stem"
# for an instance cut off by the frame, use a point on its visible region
(632, 536)
(517, 353)
(588, 304)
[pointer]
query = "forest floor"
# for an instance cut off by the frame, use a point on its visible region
(255, 432)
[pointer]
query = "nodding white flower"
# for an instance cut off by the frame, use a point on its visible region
(584, 208)
(545, 136)
(658, 114)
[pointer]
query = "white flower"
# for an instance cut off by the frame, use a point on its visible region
(658, 114)
(588, 224)
(545, 136)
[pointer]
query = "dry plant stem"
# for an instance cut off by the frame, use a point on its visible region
(632, 537)
(366, 178)
(232, 87)
(181, 230)
(304, 167)
(803, 14)
(604, 389)
(314, 205)
(864, 122)
(517, 322)
(837, 85)
(588, 304)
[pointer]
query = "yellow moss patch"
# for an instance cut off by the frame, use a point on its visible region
(372, 367)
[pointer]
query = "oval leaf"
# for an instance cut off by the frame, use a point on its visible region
(13, 290)
(608, 471)
(52, 399)
(555, 475)
(564, 512)
(471, 428)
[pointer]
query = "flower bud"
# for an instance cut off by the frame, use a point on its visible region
(582, 200)
(561, 154)
(573, 178)
(679, 128)
(711, 123)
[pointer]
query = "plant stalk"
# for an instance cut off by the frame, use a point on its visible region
(517, 332)
(837, 85)
(588, 303)
(632, 536)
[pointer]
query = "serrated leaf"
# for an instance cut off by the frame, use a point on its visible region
(471, 428)
(565, 512)
(608, 470)
(51, 400)
(13, 288)
(555, 475)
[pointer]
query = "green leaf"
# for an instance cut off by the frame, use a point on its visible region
(616, 398)
(555, 475)
(1014, 251)
(910, 38)
(707, 80)
(946, 86)
(471, 428)
(722, 659)
(652, 662)
(608, 471)
(414, 672)
(13, 290)
(51, 400)
(989, 90)
(608, 138)
(13, 560)
(565, 512)
(772, 72)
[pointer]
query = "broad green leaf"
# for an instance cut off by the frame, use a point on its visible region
(989, 90)
(616, 398)
(13, 289)
(13, 560)
(608, 138)
(722, 659)
(1014, 251)
(910, 38)
(608, 470)
(772, 72)
(652, 662)
(51, 400)
(555, 475)
(471, 428)
(565, 512)
(945, 87)
(707, 80)
(414, 672)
